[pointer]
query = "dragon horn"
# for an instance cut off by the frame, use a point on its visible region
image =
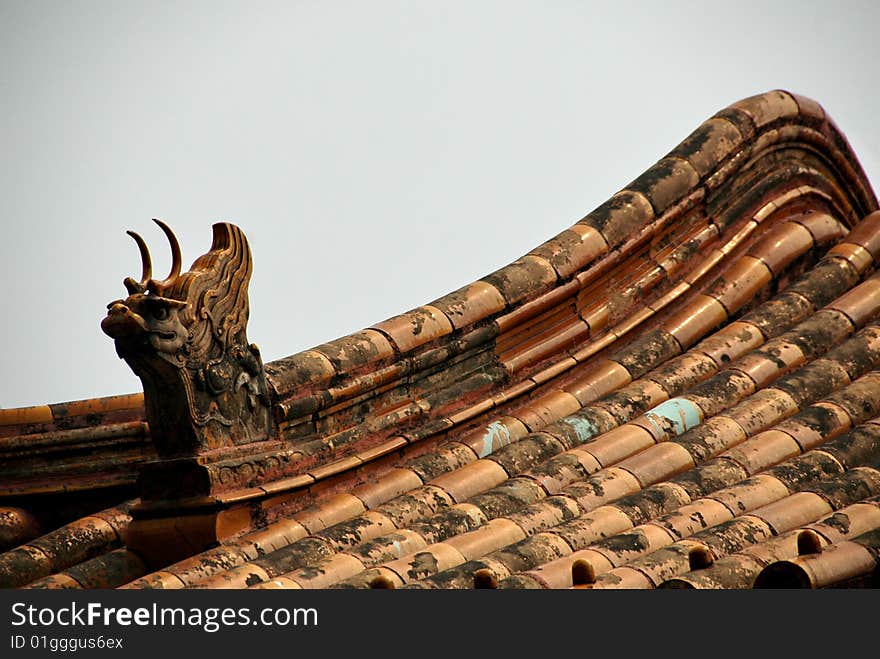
(175, 255)
(147, 262)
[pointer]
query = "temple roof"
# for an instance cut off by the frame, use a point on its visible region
(680, 390)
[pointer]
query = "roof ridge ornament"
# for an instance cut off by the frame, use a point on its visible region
(185, 337)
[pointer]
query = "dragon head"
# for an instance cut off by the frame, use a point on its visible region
(185, 337)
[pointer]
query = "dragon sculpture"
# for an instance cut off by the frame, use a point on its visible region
(185, 337)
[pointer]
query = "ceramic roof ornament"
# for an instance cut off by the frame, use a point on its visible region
(186, 337)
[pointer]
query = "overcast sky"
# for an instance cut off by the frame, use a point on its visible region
(377, 154)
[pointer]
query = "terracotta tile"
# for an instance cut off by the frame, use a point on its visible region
(594, 347)
(589, 528)
(861, 303)
(60, 581)
(470, 304)
(860, 258)
(854, 449)
(711, 257)
(848, 522)
(809, 434)
(495, 534)
(778, 314)
(625, 403)
(721, 392)
(386, 487)
(415, 328)
(471, 411)
(351, 533)
(545, 514)
(809, 108)
(766, 108)
(585, 564)
(564, 469)
(666, 182)
(796, 510)
(822, 226)
(695, 320)
(239, 577)
(597, 317)
(573, 249)
(559, 339)
(512, 392)
(328, 572)
(501, 432)
(867, 234)
(528, 452)
(278, 583)
(600, 379)
(633, 320)
(671, 561)
(415, 505)
(356, 350)
(287, 484)
(712, 438)
(619, 443)
(750, 494)
(25, 415)
(828, 279)
(276, 535)
(680, 374)
(653, 501)
(334, 509)
(444, 459)
(534, 550)
(380, 578)
(386, 447)
(471, 479)
(782, 245)
(735, 572)
(694, 517)
(75, 542)
(770, 362)
(603, 487)
(525, 278)
(672, 295)
(741, 283)
(304, 369)
(629, 545)
(658, 463)
(99, 405)
(709, 144)
(159, 580)
(620, 216)
(389, 547)
(429, 561)
(547, 374)
(836, 563)
(730, 342)
(762, 410)
(547, 408)
(764, 450)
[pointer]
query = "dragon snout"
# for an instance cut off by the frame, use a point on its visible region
(122, 321)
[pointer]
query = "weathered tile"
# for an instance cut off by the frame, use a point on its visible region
(471, 479)
(658, 463)
(700, 316)
(415, 328)
(796, 510)
(470, 304)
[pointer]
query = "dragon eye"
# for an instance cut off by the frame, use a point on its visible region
(160, 313)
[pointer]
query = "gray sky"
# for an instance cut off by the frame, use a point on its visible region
(376, 154)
